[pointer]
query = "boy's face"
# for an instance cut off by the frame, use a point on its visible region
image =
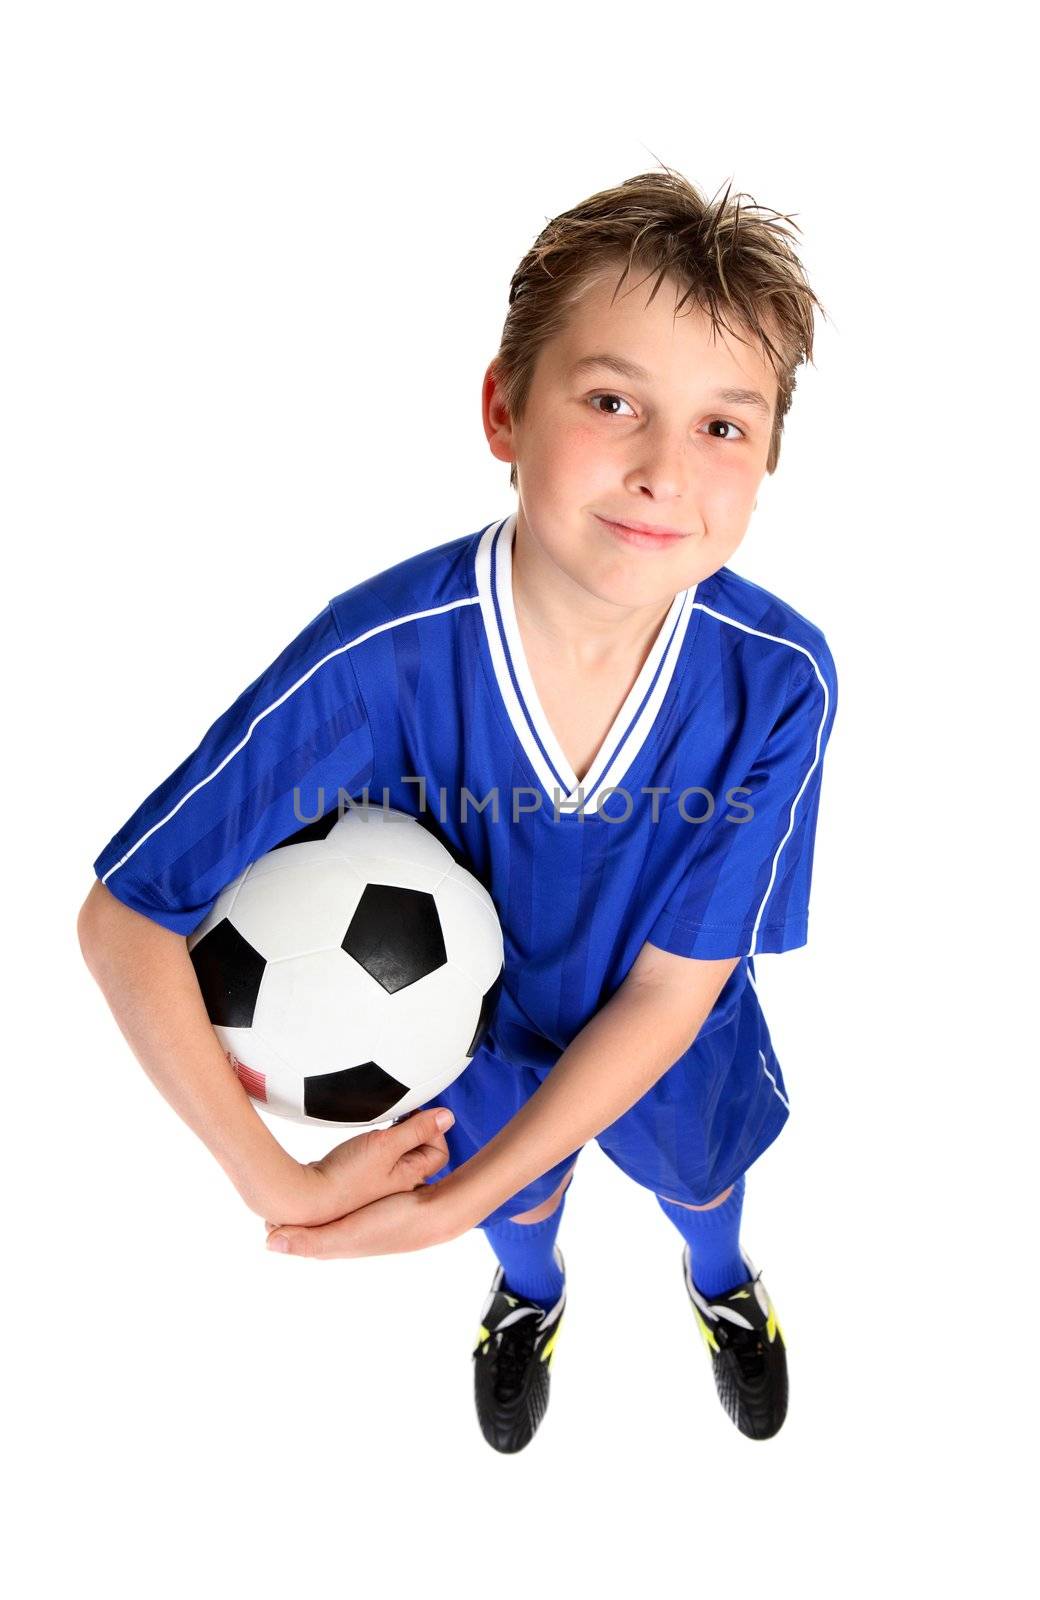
(666, 450)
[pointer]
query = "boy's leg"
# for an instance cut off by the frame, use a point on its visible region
(547, 1207)
(525, 1244)
(713, 1235)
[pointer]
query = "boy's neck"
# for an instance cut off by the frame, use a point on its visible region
(584, 632)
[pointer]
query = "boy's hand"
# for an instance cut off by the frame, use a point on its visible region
(381, 1162)
(398, 1222)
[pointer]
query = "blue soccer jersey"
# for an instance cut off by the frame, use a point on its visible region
(693, 828)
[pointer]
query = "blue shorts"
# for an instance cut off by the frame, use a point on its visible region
(699, 1127)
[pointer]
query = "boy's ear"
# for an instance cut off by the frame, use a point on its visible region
(498, 425)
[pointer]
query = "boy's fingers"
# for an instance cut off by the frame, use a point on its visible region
(320, 1242)
(418, 1129)
(421, 1162)
(293, 1241)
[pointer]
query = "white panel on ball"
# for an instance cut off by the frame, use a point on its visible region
(283, 1088)
(472, 884)
(425, 1028)
(220, 909)
(322, 1012)
(313, 913)
(288, 856)
(472, 931)
(373, 837)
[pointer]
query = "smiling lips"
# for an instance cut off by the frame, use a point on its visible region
(642, 533)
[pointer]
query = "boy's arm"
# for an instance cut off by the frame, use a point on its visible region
(633, 1039)
(146, 975)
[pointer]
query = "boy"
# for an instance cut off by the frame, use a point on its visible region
(640, 734)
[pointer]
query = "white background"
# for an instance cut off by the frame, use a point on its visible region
(256, 260)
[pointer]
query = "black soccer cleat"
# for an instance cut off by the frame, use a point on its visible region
(511, 1363)
(746, 1345)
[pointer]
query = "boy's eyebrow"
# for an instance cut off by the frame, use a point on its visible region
(637, 374)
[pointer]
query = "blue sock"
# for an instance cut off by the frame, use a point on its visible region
(714, 1241)
(525, 1250)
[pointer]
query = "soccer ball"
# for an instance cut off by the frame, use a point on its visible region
(351, 973)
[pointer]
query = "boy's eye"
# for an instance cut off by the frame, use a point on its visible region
(720, 422)
(616, 397)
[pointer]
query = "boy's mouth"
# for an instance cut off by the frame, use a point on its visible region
(642, 533)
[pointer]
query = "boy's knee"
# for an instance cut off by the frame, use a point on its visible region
(547, 1207)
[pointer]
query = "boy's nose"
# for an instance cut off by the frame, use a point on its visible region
(665, 469)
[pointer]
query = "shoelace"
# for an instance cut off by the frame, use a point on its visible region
(746, 1344)
(515, 1344)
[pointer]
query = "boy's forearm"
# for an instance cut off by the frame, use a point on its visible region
(619, 1055)
(146, 976)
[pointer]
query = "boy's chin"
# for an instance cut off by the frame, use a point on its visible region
(629, 587)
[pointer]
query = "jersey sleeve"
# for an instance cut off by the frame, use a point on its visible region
(285, 752)
(745, 890)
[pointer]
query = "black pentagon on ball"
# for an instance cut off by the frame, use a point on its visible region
(395, 934)
(487, 1011)
(229, 971)
(357, 1094)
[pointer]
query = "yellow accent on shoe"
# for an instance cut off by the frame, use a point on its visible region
(771, 1323)
(550, 1346)
(706, 1333)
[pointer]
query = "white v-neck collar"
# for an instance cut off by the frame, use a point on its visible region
(630, 728)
